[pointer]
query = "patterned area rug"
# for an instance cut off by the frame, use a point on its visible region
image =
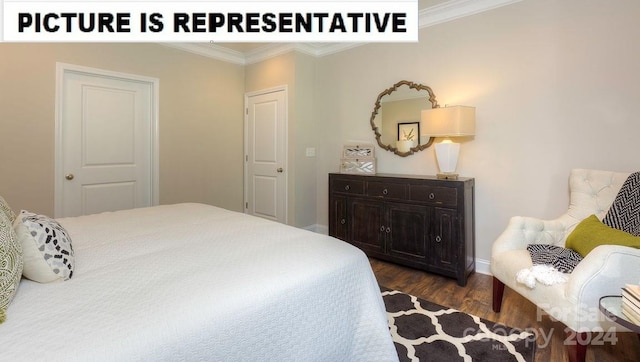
(424, 331)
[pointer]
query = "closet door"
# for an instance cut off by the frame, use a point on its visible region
(266, 155)
(106, 140)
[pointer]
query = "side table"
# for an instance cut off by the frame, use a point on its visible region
(611, 306)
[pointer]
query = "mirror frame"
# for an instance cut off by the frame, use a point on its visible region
(388, 91)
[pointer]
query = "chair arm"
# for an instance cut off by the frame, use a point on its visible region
(604, 271)
(522, 231)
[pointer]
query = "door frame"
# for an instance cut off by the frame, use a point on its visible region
(154, 83)
(248, 95)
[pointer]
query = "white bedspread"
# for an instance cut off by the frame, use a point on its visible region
(194, 282)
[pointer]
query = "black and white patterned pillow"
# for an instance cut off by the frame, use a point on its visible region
(624, 213)
(562, 259)
(47, 250)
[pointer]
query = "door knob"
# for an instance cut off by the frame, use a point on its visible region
(280, 169)
(69, 176)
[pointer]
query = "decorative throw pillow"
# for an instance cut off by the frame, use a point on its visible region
(48, 253)
(591, 232)
(4, 207)
(624, 213)
(10, 262)
(561, 259)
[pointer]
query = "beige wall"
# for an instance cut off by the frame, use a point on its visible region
(305, 136)
(200, 121)
(555, 84)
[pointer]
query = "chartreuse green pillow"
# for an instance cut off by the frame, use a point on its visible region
(591, 232)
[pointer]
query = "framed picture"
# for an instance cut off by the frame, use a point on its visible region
(409, 131)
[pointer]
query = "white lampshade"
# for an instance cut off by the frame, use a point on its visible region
(453, 121)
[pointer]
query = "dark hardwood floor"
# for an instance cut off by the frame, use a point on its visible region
(517, 312)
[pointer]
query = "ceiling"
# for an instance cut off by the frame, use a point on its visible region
(431, 12)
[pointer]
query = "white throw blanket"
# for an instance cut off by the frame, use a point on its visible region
(545, 274)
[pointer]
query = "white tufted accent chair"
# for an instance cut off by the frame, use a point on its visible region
(604, 271)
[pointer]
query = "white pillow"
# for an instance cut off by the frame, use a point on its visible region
(46, 247)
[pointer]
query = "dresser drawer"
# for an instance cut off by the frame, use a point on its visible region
(347, 186)
(435, 195)
(387, 190)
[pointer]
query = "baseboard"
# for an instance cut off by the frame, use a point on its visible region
(482, 266)
(317, 228)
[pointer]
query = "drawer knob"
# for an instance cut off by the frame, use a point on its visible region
(382, 228)
(385, 191)
(347, 187)
(343, 221)
(438, 239)
(388, 230)
(432, 196)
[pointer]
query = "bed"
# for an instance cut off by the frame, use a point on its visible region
(192, 282)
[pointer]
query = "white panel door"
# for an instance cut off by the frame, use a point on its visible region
(106, 143)
(265, 155)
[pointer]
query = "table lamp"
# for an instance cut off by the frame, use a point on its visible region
(454, 121)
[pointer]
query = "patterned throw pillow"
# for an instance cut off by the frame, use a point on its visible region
(48, 253)
(10, 262)
(624, 213)
(4, 207)
(561, 259)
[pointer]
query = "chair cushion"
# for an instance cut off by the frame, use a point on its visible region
(506, 265)
(591, 233)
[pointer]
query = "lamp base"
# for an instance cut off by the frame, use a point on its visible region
(447, 155)
(447, 176)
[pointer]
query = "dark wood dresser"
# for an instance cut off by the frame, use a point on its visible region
(417, 221)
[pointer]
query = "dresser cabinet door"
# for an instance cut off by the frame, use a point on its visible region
(444, 246)
(367, 225)
(338, 220)
(407, 233)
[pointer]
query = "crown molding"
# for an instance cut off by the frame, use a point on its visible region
(433, 15)
(315, 50)
(272, 50)
(210, 50)
(455, 9)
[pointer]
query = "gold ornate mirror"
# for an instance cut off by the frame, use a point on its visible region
(395, 119)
